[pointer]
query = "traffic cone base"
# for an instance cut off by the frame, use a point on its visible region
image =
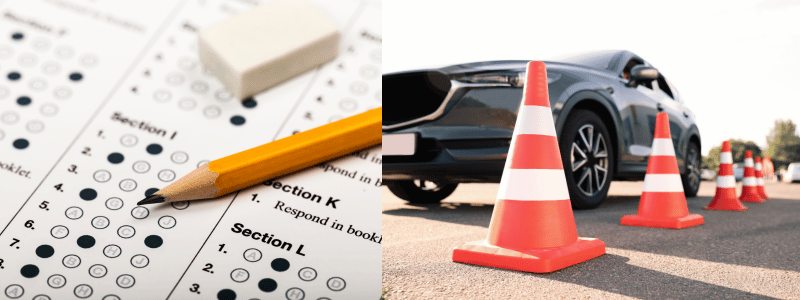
(542, 260)
(669, 223)
(725, 199)
(750, 194)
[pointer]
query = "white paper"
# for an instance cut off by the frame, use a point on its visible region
(115, 80)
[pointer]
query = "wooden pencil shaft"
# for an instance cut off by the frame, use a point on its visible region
(297, 151)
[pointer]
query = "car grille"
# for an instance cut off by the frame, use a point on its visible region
(413, 95)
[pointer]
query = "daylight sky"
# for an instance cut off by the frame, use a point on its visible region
(735, 63)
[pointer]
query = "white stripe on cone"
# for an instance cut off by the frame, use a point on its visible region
(748, 162)
(663, 147)
(749, 181)
(535, 120)
(727, 181)
(726, 158)
(533, 185)
(758, 167)
(662, 183)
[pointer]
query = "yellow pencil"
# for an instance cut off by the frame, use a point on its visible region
(256, 165)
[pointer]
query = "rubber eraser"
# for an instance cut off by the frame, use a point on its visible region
(268, 44)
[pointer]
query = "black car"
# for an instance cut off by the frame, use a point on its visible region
(445, 126)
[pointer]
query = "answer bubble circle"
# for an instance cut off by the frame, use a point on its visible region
(98, 271)
(14, 288)
(37, 84)
(9, 117)
(85, 290)
(111, 297)
(86, 241)
(237, 120)
(127, 185)
(112, 251)
(74, 213)
(126, 231)
(56, 281)
(24, 100)
(280, 264)
(125, 281)
(49, 109)
(128, 140)
(116, 158)
(154, 149)
(249, 103)
(102, 176)
(336, 284)
(62, 92)
(166, 175)
(140, 212)
(114, 203)
(140, 261)
(307, 274)
(141, 167)
(180, 205)
(76, 76)
(179, 157)
(295, 294)
(21, 144)
(239, 271)
(29, 271)
(267, 285)
(252, 255)
(71, 261)
(45, 251)
(88, 194)
(34, 126)
(100, 222)
(153, 241)
(167, 222)
(59, 231)
(226, 294)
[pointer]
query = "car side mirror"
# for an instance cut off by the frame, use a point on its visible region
(642, 72)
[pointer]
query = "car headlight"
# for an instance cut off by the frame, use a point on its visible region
(515, 79)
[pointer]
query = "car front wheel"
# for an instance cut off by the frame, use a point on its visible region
(691, 177)
(588, 158)
(421, 191)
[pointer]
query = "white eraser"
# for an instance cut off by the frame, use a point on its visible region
(272, 42)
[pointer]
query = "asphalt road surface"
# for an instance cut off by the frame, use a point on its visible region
(753, 254)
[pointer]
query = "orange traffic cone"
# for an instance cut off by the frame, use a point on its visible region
(725, 197)
(663, 203)
(760, 179)
(532, 227)
(749, 183)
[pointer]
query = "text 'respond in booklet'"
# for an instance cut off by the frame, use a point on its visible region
(104, 102)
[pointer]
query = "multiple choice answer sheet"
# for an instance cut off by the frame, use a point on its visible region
(103, 102)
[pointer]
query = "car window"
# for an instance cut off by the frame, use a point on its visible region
(675, 94)
(598, 59)
(663, 86)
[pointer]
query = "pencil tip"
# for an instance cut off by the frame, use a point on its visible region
(152, 199)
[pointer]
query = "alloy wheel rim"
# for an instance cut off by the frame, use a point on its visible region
(589, 160)
(694, 168)
(428, 186)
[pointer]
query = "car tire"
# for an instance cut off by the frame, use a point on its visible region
(691, 176)
(578, 162)
(420, 191)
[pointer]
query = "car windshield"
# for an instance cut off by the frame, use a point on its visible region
(596, 59)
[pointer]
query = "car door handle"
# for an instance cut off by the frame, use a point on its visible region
(660, 107)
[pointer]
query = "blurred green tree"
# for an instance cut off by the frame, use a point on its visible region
(783, 144)
(738, 147)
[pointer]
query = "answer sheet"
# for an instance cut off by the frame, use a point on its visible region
(103, 101)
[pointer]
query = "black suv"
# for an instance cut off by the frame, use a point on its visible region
(445, 126)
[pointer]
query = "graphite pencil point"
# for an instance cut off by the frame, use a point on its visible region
(152, 199)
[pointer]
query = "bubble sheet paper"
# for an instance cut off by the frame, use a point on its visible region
(104, 102)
